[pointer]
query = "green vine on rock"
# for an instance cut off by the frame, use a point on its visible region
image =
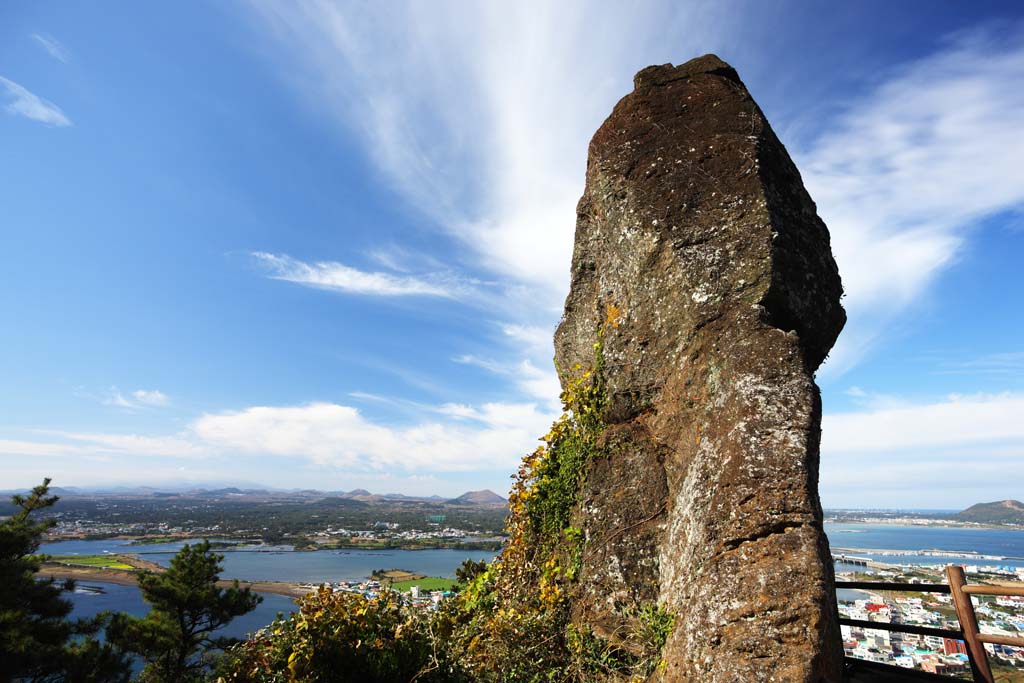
(547, 489)
(517, 623)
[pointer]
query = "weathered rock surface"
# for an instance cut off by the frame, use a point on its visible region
(696, 236)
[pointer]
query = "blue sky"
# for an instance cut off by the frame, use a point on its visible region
(319, 245)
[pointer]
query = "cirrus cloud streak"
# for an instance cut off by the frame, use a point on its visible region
(910, 169)
(22, 102)
(334, 276)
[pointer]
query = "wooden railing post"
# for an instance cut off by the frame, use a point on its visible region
(969, 625)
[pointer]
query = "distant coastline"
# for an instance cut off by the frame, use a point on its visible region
(927, 552)
(834, 517)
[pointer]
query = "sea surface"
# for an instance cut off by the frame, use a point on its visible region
(1005, 543)
(89, 602)
(283, 564)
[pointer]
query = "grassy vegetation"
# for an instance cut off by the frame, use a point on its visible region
(430, 583)
(100, 561)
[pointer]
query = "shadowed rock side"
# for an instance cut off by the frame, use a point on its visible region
(696, 236)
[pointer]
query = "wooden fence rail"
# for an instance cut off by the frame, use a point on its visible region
(961, 593)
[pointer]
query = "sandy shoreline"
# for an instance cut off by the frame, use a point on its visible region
(124, 577)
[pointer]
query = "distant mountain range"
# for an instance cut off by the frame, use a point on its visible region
(997, 512)
(484, 498)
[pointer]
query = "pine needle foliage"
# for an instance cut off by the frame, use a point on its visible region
(38, 642)
(177, 637)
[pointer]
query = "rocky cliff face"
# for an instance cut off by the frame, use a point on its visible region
(701, 257)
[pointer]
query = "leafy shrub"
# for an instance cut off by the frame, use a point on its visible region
(342, 638)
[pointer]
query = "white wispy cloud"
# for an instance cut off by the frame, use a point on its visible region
(138, 444)
(1007, 363)
(530, 380)
(340, 436)
(68, 443)
(341, 278)
(484, 364)
(957, 450)
(24, 447)
(140, 398)
(52, 46)
(873, 400)
(908, 171)
(947, 479)
(535, 337)
(404, 260)
(955, 420)
(21, 102)
(445, 438)
(479, 114)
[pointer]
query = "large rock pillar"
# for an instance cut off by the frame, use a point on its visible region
(703, 258)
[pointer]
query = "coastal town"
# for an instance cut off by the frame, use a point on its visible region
(416, 592)
(379, 534)
(997, 615)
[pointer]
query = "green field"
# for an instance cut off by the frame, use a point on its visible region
(431, 583)
(102, 561)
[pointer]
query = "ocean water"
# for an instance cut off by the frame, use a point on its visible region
(110, 596)
(90, 598)
(1006, 543)
(283, 564)
(278, 563)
